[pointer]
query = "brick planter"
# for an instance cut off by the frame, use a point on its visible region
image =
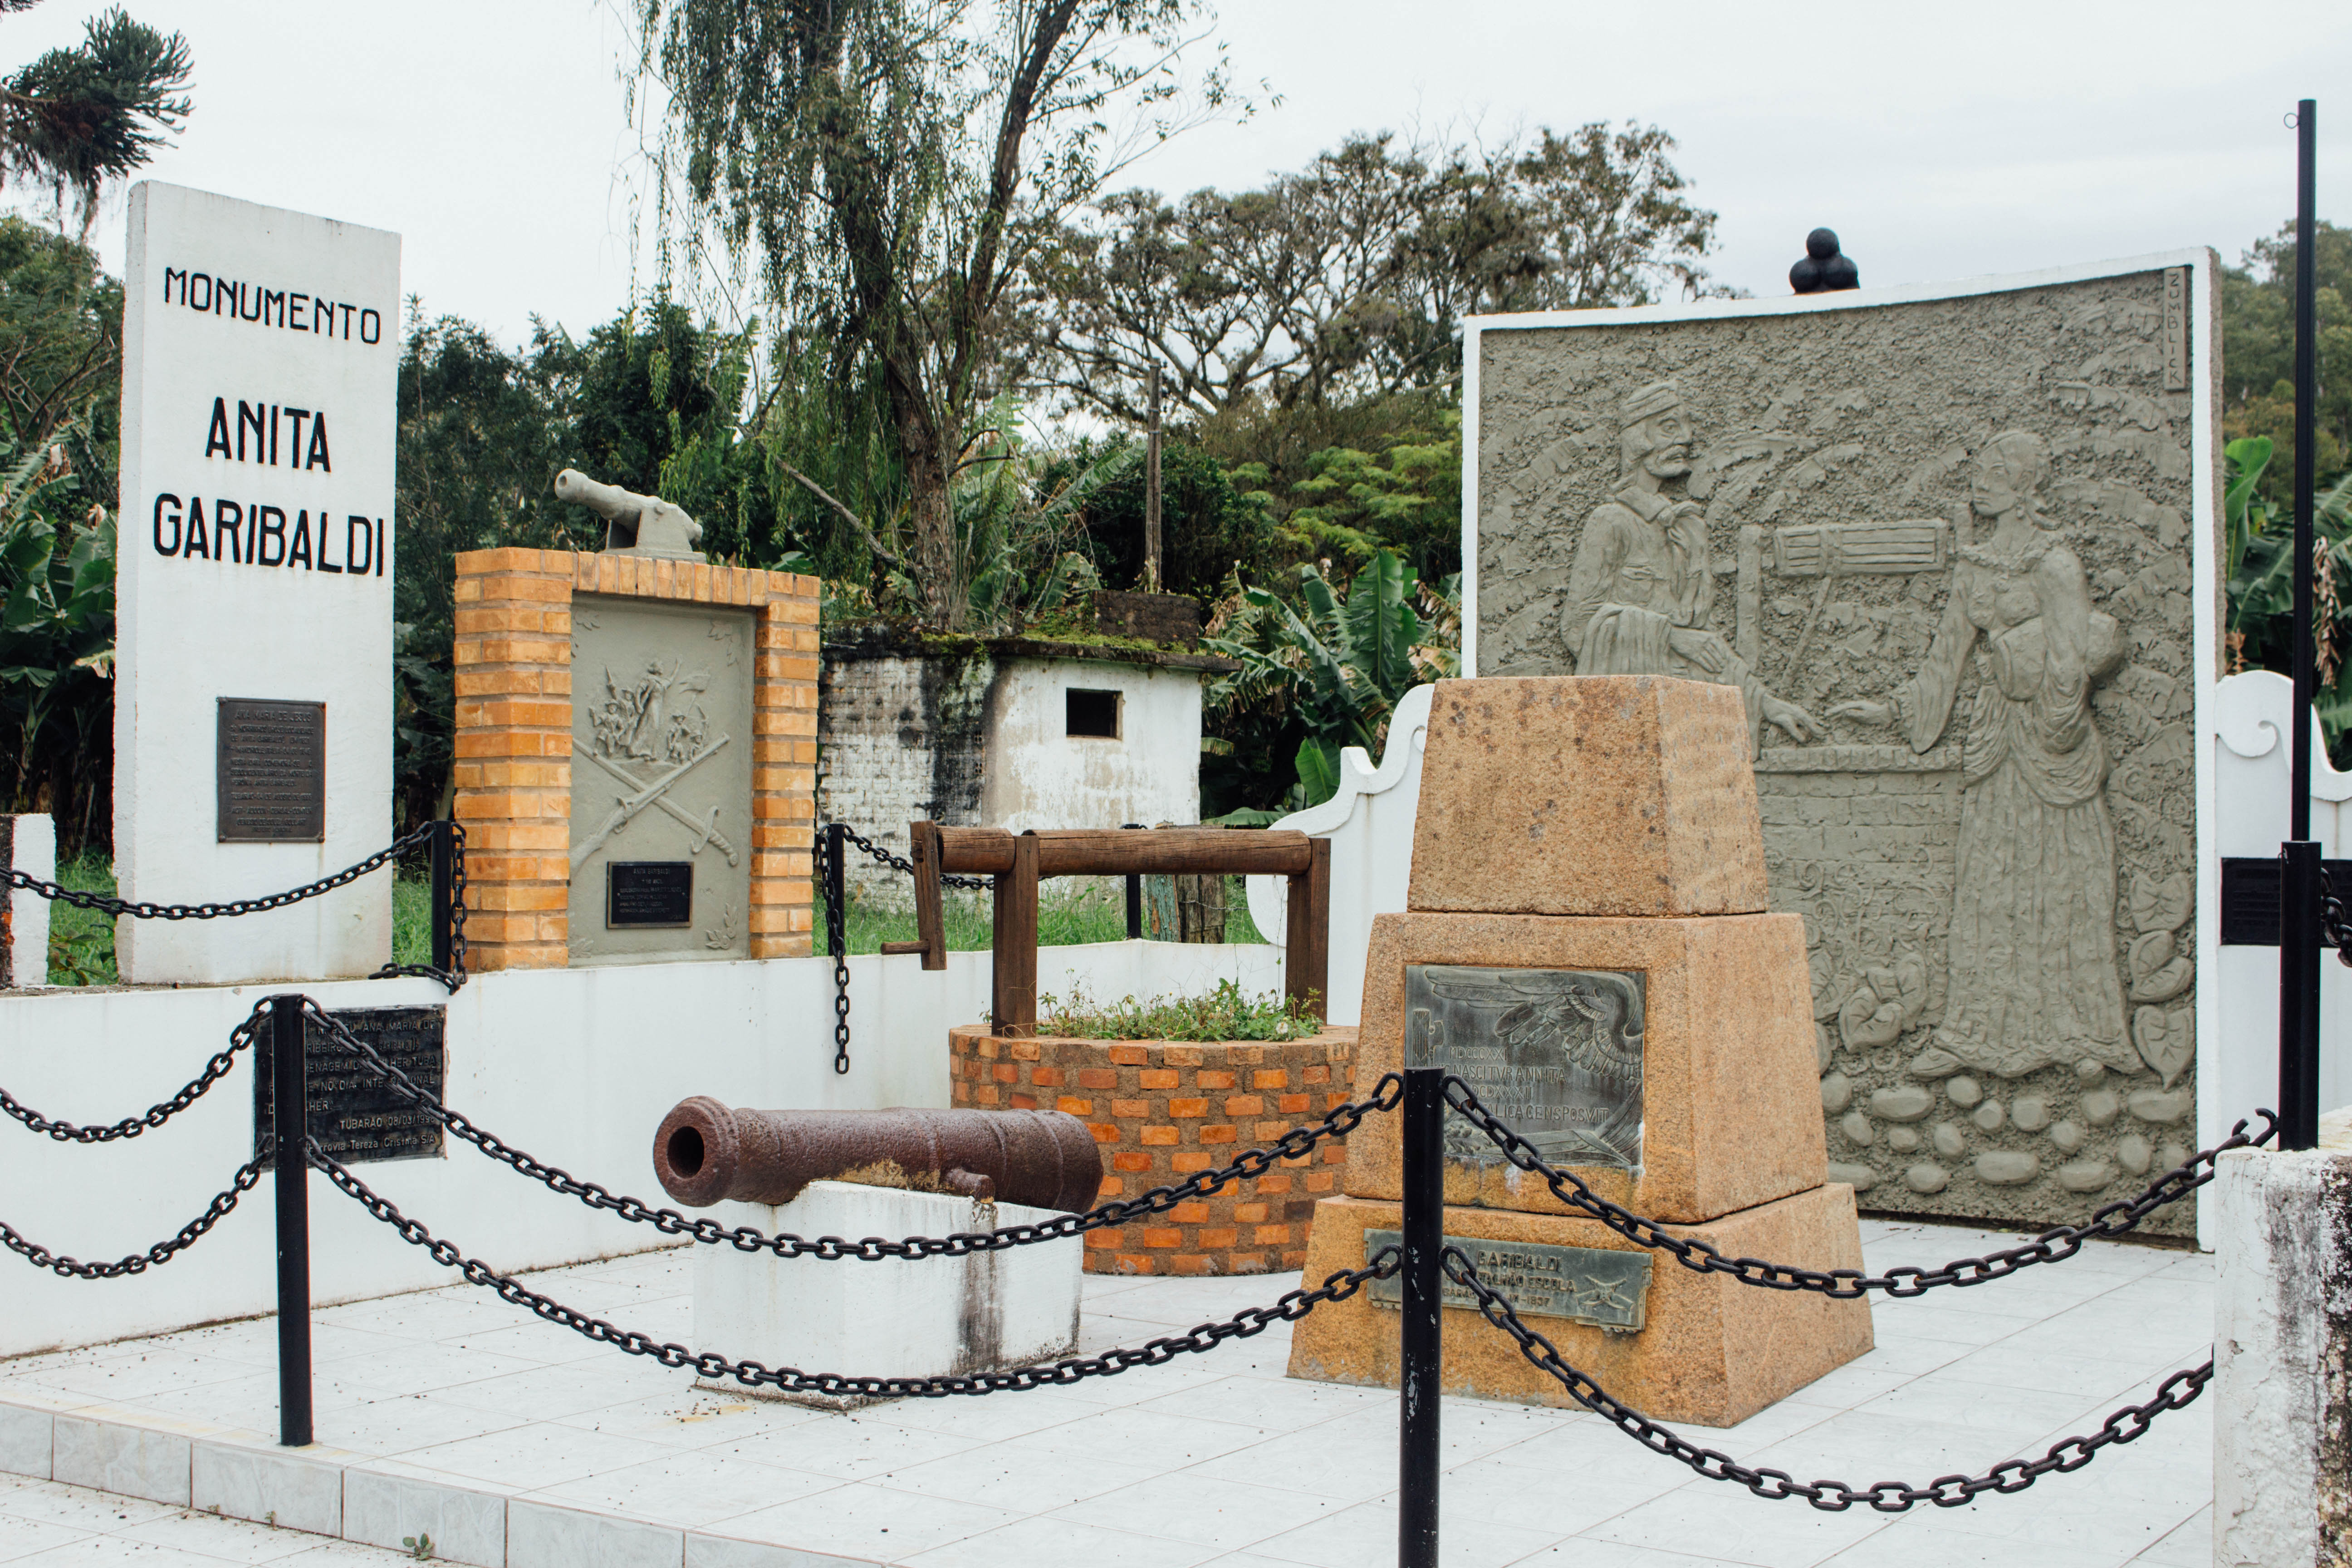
(1163, 1110)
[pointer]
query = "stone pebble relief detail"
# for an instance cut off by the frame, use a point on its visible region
(1942, 548)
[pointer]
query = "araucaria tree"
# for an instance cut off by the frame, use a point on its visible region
(886, 165)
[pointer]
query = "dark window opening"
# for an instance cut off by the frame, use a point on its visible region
(1094, 714)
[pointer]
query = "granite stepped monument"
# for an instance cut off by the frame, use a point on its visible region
(1585, 943)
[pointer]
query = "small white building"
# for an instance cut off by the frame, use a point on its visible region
(1010, 732)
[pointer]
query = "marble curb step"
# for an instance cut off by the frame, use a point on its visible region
(332, 1492)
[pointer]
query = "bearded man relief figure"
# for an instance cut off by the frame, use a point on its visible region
(2033, 976)
(1641, 592)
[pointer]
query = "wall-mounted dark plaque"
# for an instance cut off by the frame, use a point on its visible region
(355, 1115)
(639, 893)
(1583, 1284)
(1557, 1052)
(270, 764)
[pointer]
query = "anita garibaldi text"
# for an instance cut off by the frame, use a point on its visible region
(256, 533)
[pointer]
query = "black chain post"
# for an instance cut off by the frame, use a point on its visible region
(1134, 899)
(444, 871)
(289, 1136)
(1422, 1133)
(2300, 886)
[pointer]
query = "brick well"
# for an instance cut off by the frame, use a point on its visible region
(1163, 1110)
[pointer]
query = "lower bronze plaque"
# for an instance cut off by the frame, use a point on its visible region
(270, 772)
(1582, 1284)
(649, 893)
(355, 1114)
(1557, 1052)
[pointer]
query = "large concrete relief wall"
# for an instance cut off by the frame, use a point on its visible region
(1946, 547)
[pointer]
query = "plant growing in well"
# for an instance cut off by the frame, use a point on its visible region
(1226, 1013)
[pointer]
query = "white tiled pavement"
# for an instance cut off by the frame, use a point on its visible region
(520, 1442)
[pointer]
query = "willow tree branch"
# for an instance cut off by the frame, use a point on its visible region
(888, 557)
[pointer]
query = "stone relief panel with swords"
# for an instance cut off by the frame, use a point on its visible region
(661, 781)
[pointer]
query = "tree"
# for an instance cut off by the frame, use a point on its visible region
(887, 163)
(1350, 280)
(76, 118)
(482, 432)
(61, 369)
(2258, 353)
(2257, 571)
(1213, 528)
(1331, 669)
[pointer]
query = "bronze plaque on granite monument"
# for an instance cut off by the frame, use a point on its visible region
(1555, 1053)
(1592, 1285)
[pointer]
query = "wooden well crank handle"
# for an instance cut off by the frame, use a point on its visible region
(1120, 852)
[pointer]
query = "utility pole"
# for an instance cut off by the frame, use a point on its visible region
(1151, 492)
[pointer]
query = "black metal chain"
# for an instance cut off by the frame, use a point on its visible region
(454, 976)
(1703, 1256)
(836, 920)
(1340, 1120)
(155, 1115)
(1290, 1307)
(900, 863)
(143, 910)
(834, 879)
(2123, 1426)
(163, 1252)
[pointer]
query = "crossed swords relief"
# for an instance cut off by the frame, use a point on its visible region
(654, 794)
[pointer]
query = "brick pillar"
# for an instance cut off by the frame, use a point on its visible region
(513, 667)
(513, 660)
(783, 769)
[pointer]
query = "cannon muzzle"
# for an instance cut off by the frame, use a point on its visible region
(706, 1152)
(607, 502)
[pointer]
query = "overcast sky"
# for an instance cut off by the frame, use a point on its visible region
(1940, 140)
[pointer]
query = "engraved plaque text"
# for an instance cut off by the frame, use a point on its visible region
(355, 1114)
(1555, 1053)
(643, 893)
(270, 765)
(1582, 1284)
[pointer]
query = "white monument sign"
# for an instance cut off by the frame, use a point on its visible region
(253, 704)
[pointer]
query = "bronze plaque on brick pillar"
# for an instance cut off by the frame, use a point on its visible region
(270, 772)
(662, 749)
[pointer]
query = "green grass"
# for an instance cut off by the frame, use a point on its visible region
(1225, 1013)
(1096, 914)
(412, 920)
(81, 941)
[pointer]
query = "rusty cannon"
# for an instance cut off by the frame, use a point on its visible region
(706, 1152)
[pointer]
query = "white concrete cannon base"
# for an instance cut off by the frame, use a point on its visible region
(895, 1318)
(2282, 1388)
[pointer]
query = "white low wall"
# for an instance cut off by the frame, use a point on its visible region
(1369, 820)
(2281, 1340)
(578, 1066)
(28, 923)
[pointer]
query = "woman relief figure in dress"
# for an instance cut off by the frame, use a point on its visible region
(2033, 977)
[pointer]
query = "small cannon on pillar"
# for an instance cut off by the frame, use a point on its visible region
(1017, 862)
(633, 524)
(706, 1152)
